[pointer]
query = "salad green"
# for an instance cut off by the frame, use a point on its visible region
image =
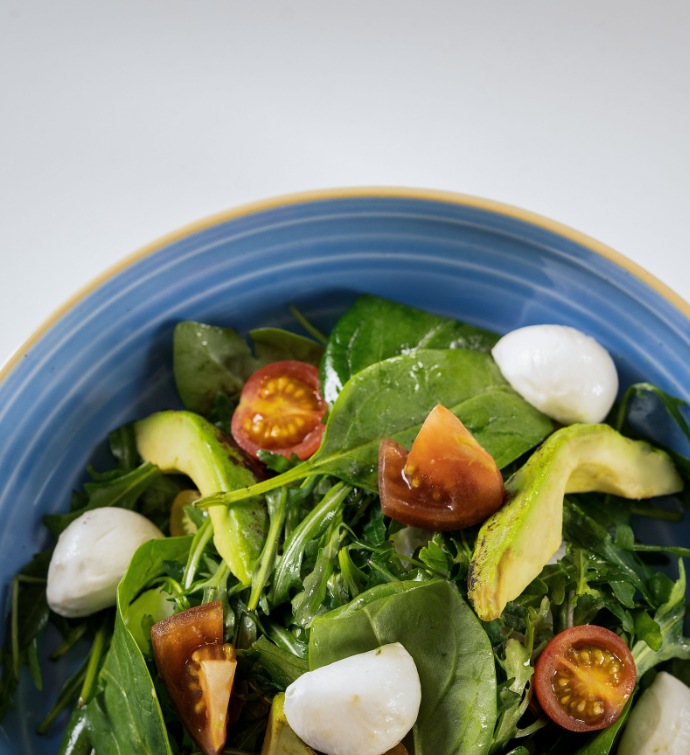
(321, 574)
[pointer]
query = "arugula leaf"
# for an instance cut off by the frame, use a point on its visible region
(119, 489)
(516, 663)
(28, 618)
(282, 666)
(669, 619)
(591, 536)
(288, 572)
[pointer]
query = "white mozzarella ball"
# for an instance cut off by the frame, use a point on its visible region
(564, 373)
(361, 705)
(91, 556)
(660, 721)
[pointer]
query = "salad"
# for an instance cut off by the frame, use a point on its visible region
(390, 514)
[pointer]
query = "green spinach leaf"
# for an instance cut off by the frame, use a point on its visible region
(391, 399)
(208, 360)
(374, 329)
(451, 651)
(124, 715)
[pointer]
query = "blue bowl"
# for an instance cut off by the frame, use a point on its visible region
(105, 358)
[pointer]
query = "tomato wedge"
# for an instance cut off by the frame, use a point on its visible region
(584, 677)
(281, 409)
(446, 482)
(198, 671)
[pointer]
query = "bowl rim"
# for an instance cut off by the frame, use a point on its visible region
(352, 192)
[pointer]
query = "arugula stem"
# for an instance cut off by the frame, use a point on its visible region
(286, 640)
(655, 513)
(199, 543)
(14, 623)
(34, 664)
(314, 332)
(268, 554)
(216, 584)
(570, 611)
(65, 697)
(540, 723)
(69, 642)
(297, 473)
(94, 662)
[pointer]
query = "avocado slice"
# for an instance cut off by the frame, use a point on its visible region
(280, 739)
(184, 442)
(516, 542)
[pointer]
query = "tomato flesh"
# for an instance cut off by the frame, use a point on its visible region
(281, 409)
(446, 482)
(198, 671)
(584, 677)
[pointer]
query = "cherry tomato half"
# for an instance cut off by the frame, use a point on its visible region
(281, 410)
(584, 677)
(446, 482)
(198, 671)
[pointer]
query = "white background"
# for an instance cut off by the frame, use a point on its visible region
(121, 121)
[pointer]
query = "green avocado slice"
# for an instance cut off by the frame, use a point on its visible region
(184, 442)
(280, 739)
(516, 542)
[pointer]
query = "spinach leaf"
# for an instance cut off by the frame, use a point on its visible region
(124, 715)
(451, 651)
(391, 399)
(374, 329)
(275, 345)
(208, 360)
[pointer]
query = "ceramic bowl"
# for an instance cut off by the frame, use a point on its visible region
(105, 358)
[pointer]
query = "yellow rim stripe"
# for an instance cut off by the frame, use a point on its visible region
(349, 193)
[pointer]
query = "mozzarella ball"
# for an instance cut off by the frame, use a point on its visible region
(564, 373)
(361, 705)
(660, 721)
(90, 558)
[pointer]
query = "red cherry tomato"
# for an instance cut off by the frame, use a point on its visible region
(281, 410)
(584, 677)
(446, 482)
(198, 671)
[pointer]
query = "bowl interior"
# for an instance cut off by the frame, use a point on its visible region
(108, 359)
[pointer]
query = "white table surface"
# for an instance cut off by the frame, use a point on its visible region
(122, 121)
